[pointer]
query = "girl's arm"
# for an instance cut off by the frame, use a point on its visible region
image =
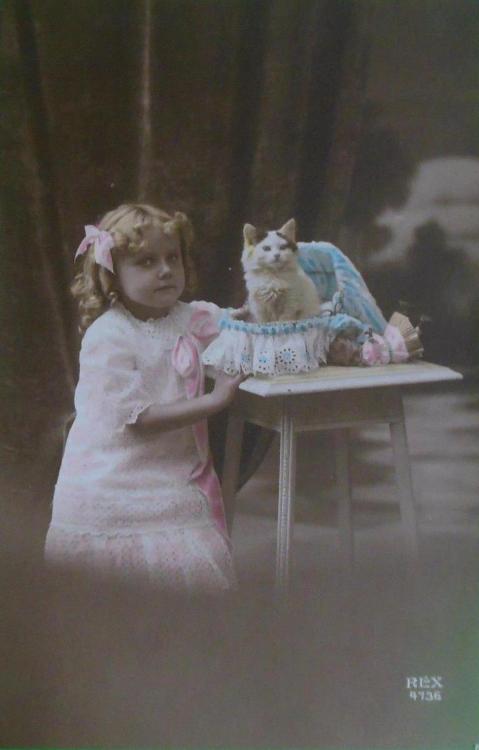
(165, 417)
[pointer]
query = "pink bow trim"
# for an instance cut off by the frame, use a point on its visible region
(396, 343)
(375, 351)
(103, 242)
(187, 362)
(385, 349)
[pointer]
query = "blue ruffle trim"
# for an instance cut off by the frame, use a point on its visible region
(334, 324)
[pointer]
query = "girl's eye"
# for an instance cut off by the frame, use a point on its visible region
(173, 258)
(266, 248)
(146, 262)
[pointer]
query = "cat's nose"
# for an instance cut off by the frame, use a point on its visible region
(277, 256)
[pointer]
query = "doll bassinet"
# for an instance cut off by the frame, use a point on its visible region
(290, 347)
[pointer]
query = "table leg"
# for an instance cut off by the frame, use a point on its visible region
(343, 481)
(404, 481)
(234, 437)
(287, 475)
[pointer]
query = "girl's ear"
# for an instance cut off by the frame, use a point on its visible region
(289, 230)
(249, 234)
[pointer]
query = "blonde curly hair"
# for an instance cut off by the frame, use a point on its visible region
(95, 287)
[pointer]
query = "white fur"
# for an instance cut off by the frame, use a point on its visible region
(278, 288)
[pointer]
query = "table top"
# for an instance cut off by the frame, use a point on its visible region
(349, 378)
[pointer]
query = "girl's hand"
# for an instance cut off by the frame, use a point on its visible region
(225, 388)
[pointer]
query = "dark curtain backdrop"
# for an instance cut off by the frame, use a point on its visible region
(230, 110)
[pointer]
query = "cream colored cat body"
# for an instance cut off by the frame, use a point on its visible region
(278, 288)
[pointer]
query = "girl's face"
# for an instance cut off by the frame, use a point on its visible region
(151, 280)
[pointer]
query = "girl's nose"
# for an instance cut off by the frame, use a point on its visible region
(164, 270)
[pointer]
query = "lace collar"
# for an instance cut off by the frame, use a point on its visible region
(168, 326)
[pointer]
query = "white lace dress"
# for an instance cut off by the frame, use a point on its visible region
(124, 503)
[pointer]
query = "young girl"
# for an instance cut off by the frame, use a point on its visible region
(137, 494)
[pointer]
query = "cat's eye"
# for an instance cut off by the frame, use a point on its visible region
(267, 248)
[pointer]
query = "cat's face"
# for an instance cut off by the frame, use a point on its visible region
(274, 250)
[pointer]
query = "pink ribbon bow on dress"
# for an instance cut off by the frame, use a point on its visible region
(187, 362)
(103, 242)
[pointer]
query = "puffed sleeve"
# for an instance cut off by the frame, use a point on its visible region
(110, 389)
(205, 320)
(214, 311)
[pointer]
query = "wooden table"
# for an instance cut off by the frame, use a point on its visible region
(337, 399)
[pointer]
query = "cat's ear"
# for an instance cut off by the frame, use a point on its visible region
(249, 234)
(289, 230)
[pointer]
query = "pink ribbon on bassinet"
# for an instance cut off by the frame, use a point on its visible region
(390, 348)
(187, 362)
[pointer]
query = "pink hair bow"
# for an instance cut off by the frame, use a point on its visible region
(103, 242)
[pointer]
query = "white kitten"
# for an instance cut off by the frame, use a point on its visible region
(278, 288)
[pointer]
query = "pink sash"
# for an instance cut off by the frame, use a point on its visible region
(186, 359)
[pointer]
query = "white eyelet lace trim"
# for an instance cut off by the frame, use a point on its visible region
(235, 351)
(160, 528)
(136, 411)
